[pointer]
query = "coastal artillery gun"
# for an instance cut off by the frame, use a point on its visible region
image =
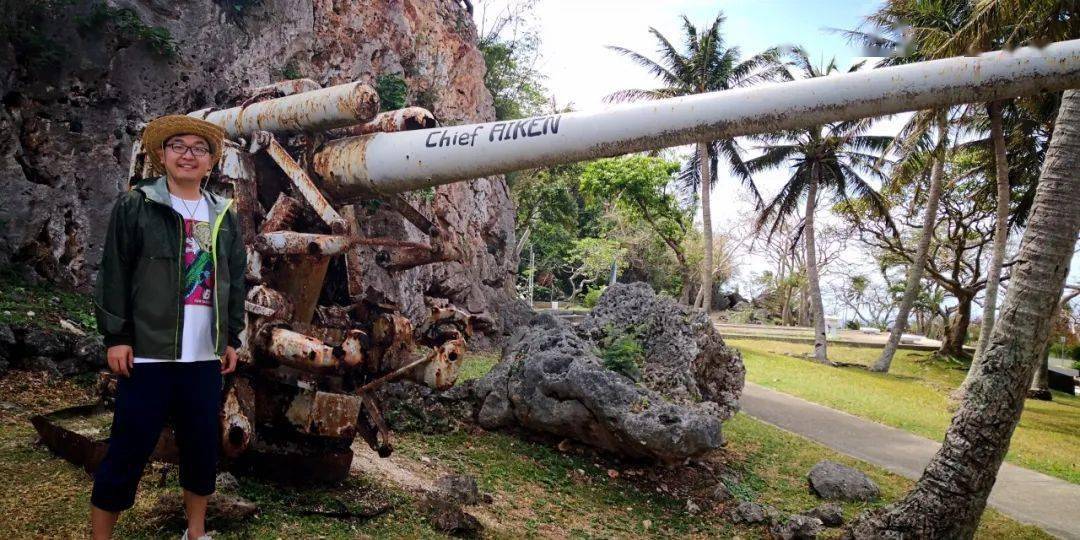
(301, 160)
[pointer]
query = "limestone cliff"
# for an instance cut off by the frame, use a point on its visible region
(69, 118)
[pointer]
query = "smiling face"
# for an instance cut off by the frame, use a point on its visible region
(180, 159)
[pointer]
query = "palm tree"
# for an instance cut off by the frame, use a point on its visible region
(705, 64)
(949, 498)
(827, 158)
(912, 31)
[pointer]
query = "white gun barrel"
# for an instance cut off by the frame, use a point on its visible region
(397, 162)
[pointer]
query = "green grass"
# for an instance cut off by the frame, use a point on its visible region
(913, 397)
(538, 490)
(477, 364)
(43, 305)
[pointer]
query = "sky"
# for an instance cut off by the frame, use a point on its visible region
(580, 70)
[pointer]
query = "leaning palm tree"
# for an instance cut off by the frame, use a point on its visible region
(912, 31)
(949, 498)
(831, 158)
(705, 64)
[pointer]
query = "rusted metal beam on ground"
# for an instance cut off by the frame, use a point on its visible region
(388, 163)
(319, 110)
(303, 184)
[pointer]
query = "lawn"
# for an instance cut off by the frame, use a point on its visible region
(913, 397)
(537, 489)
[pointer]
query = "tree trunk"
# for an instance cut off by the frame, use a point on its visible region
(804, 305)
(820, 353)
(532, 273)
(785, 313)
(918, 266)
(1001, 228)
(1040, 381)
(951, 495)
(952, 344)
(706, 226)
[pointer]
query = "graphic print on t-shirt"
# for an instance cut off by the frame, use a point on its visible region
(198, 268)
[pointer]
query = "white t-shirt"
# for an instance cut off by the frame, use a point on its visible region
(197, 343)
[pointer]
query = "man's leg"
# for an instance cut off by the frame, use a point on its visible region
(141, 405)
(197, 412)
(195, 508)
(102, 522)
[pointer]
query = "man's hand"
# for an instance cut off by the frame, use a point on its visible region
(228, 362)
(121, 359)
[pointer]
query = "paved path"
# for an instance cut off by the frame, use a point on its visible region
(1022, 494)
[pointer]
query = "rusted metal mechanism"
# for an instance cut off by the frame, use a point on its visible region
(315, 347)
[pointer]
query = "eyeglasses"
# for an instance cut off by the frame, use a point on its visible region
(181, 149)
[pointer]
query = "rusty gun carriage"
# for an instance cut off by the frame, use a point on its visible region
(302, 161)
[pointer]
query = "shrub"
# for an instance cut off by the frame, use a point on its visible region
(392, 91)
(624, 356)
(593, 297)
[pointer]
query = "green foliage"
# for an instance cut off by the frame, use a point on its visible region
(426, 195)
(515, 85)
(291, 71)
(593, 297)
(126, 25)
(593, 256)
(623, 354)
(392, 91)
(44, 305)
(639, 186)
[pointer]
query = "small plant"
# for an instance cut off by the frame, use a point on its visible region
(593, 297)
(291, 71)
(128, 27)
(624, 355)
(392, 91)
(426, 194)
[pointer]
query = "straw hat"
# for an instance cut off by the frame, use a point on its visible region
(161, 129)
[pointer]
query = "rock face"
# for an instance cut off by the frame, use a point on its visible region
(834, 481)
(686, 360)
(550, 381)
(58, 352)
(71, 110)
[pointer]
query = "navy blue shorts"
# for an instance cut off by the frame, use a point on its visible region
(188, 394)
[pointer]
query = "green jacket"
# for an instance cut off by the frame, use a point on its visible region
(138, 298)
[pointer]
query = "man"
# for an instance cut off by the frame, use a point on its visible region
(169, 301)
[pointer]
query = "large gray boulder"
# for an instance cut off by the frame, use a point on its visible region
(835, 481)
(686, 360)
(550, 381)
